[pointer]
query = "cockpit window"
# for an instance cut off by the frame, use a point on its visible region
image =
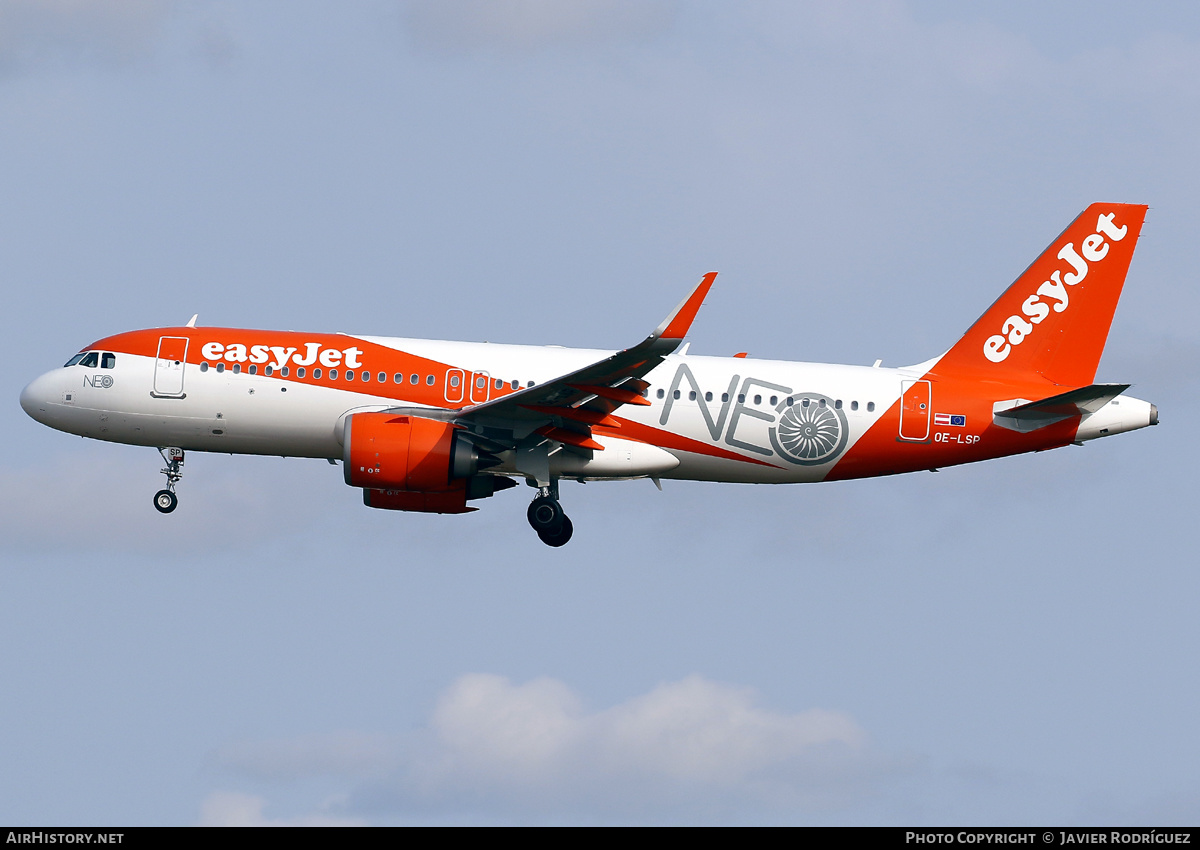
(74, 360)
(90, 359)
(108, 360)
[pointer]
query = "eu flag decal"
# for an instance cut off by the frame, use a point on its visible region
(952, 419)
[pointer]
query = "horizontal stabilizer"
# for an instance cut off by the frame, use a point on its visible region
(1025, 416)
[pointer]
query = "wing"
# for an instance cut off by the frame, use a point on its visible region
(565, 409)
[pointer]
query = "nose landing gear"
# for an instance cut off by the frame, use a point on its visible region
(166, 501)
(548, 520)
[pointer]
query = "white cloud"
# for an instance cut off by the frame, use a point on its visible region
(530, 24)
(691, 729)
(694, 748)
(228, 808)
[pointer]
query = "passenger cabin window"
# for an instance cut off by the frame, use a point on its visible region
(661, 393)
(316, 373)
(237, 369)
(854, 405)
(253, 369)
(269, 371)
(221, 368)
(708, 396)
(74, 361)
(398, 378)
(204, 366)
(108, 360)
(724, 397)
(299, 371)
(366, 376)
(692, 395)
(870, 407)
(675, 394)
(333, 374)
(429, 380)
(382, 376)
(415, 379)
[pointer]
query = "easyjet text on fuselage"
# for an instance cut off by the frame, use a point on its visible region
(279, 356)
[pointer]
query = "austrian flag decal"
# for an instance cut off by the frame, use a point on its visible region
(950, 419)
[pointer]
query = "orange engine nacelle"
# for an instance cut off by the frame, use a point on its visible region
(385, 451)
(409, 463)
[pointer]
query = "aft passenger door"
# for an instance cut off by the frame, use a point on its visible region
(169, 367)
(915, 404)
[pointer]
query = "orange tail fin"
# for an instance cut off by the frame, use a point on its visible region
(1054, 320)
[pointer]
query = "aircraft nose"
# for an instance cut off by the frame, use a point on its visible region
(37, 396)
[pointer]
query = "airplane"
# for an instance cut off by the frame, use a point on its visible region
(429, 425)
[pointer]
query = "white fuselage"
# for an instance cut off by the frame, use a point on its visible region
(727, 403)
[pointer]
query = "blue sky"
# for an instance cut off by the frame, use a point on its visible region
(1011, 642)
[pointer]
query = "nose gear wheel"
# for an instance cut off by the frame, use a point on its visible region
(165, 501)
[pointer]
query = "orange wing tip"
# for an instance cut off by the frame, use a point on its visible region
(571, 438)
(677, 324)
(612, 394)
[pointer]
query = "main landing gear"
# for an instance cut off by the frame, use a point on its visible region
(547, 518)
(166, 501)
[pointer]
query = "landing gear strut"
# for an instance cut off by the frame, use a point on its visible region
(547, 518)
(166, 501)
